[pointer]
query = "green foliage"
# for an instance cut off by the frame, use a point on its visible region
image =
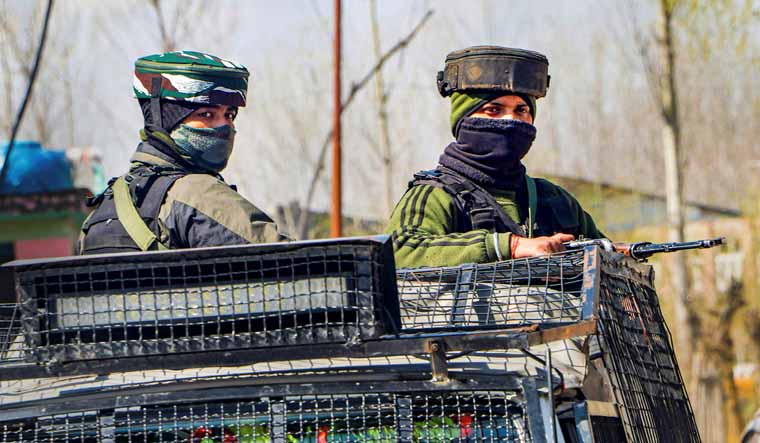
(385, 434)
(436, 429)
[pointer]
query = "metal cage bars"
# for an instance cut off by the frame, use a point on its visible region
(154, 305)
(638, 354)
(515, 304)
(502, 409)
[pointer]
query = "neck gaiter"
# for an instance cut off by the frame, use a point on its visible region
(209, 148)
(489, 151)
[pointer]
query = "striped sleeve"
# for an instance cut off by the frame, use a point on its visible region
(423, 228)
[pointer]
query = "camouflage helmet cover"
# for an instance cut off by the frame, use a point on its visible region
(191, 77)
(495, 68)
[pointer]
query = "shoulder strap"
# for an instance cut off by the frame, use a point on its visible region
(532, 203)
(130, 219)
(481, 210)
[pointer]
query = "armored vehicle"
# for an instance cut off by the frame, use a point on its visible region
(325, 341)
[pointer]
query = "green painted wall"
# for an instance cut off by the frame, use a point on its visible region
(44, 225)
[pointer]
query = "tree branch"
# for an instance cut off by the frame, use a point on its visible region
(166, 41)
(355, 88)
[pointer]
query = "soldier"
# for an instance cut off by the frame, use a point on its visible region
(479, 205)
(173, 196)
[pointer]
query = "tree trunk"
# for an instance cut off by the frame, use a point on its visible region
(382, 113)
(687, 329)
(675, 213)
(167, 41)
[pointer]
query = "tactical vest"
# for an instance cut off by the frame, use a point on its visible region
(548, 211)
(126, 216)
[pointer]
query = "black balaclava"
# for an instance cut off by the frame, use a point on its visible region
(172, 112)
(489, 151)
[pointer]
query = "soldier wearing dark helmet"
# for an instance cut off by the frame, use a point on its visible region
(173, 196)
(479, 205)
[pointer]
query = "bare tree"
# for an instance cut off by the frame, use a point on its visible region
(18, 53)
(50, 115)
(303, 222)
(705, 34)
(173, 28)
(382, 112)
(673, 151)
(659, 61)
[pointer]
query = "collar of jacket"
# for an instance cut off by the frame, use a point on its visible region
(150, 155)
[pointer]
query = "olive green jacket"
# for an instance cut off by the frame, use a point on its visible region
(198, 210)
(425, 225)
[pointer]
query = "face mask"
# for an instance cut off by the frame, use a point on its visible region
(209, 148)
(489, 151)
(500, 143)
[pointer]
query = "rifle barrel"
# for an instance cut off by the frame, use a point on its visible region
(644, 250)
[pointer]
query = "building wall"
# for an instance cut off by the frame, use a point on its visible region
(42, 248)
(619, 210)
(38, 235)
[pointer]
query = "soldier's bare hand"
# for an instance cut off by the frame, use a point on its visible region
(530, 247)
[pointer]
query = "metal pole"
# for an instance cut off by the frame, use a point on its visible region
(550, 393)
(336, 228)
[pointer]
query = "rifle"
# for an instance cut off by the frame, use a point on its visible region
(641, 251)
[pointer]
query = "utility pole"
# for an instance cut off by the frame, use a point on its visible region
(336, 228)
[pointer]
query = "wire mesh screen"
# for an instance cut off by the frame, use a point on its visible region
(538, 290)
(189, 302)
(639, 356)
(10, 333)
(607, 429)
(413, 417)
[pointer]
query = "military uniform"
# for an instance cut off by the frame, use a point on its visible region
(430, 227)
(467, 209)
(173, 196)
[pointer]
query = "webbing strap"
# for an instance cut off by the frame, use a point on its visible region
(130, 219)
(155, 103)
(532, 203)
(478, 204)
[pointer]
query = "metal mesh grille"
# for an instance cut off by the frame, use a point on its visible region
(607, 429)
(421, 417)
(79, 427)
(513, 293)
(188, 304)
(10, 333)
(644, 374)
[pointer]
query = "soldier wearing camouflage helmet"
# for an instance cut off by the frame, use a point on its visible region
(173, 196)
(479, 205)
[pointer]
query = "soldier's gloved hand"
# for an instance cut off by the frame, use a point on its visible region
(522, 247)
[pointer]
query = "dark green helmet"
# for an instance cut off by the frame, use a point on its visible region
(495, 68)
(190, 76)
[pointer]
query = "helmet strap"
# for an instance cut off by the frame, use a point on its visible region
(155, 102)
